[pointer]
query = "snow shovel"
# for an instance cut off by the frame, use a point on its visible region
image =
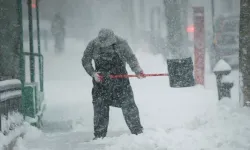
(131, 76)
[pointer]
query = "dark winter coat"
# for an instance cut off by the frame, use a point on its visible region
(110, 57)
(58, 26)
(94, 49)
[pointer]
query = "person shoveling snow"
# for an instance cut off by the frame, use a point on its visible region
(110, 54)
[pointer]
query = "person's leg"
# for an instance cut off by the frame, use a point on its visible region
(56, 43)
(61, 42)
(131, 115)
(101, 116)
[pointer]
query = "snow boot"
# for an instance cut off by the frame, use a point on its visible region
(96, 138)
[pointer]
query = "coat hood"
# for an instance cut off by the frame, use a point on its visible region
(106, 37)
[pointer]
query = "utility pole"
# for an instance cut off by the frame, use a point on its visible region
(244, 53)
(179, 61)
(32, 58)
(176, 31)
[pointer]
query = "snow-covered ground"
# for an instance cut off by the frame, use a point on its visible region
(174, 119)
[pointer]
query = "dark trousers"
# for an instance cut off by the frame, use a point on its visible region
(59, 42)
(103, 99)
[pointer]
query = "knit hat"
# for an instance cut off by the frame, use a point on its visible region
(106, 37)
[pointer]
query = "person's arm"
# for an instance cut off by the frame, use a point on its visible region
(87, 59)
(131, 59)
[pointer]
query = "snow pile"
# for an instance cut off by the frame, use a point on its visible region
(224, 127)
(9, 83)
(222, 66)
(149, 140)
(26, 129)
(10, 122)
(6, 88)
(10, 95)
(30, 132)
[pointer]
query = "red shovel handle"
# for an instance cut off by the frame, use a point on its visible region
(129, 76)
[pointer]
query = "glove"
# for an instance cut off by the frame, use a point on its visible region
(141, 75)
(98, 77)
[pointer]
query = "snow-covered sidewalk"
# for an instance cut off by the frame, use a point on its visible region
(174, 119)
